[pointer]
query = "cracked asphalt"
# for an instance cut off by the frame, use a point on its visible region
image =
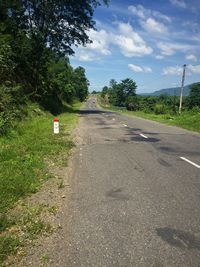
(134, 201)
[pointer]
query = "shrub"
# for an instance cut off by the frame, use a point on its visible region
(11, 107)
(160, 109)
(132, 103)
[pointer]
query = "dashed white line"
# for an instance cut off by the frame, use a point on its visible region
(124, 125)
(144, 136)
(191, 162)
(113, 119)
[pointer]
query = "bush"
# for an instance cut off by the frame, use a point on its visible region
(160, 109)
(196, 110)
(132, 103)
(11, 107)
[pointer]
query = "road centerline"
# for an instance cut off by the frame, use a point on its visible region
(190, 162)
(144, 136)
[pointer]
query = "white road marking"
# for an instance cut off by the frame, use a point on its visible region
(124, 125)
(191, 162)
(144, 136)
(113, 119)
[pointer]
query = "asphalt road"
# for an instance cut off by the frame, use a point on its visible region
(135, 196)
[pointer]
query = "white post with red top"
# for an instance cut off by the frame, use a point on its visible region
(56, 125)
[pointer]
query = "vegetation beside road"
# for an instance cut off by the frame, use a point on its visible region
(25, 155)
(121, 97)
(37, 82)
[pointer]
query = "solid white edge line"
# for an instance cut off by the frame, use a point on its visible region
(143, 136)
(189, 161)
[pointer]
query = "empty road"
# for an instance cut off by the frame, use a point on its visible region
(135, 194)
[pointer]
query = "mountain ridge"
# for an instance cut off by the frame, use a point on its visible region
(173, 91)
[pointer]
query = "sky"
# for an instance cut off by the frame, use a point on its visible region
(148, 41)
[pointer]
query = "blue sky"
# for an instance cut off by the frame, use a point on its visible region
(147, 41)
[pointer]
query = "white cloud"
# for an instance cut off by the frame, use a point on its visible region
(178, 3)
(130, 42)
(169, 49)
(147, 69)
(100, 41)
(98, 48)
(191, 57)
(153, 26)
(194, 69)
(144, 13)
(137, 68)
(159, 57)
(177, 70)
(82, 55)
(149, 19)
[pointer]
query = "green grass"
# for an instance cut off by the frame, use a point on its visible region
(25, 154)
(8, 246)
(188, 120)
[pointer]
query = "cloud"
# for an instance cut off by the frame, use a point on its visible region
(130, 42)
(177, 70)
(194, 69)
(178, 3)
(144, 13)
(149, 19)
(137, 68)
(153, 26)
(159, 57)
(98, 48)
(169, 49)
(191, 57)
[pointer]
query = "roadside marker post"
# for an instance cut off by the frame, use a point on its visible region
(56, 126)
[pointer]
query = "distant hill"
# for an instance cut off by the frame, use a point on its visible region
(171, 91)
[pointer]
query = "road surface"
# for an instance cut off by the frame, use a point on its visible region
(135, 194)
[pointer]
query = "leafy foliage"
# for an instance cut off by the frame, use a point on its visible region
(123, 94)
(194, 97)
(36, 38)
(120, 93)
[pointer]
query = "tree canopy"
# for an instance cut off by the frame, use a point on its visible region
(119, 93)
(36, 38)
(194, 96)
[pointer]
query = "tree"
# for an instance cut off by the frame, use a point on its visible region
(60, 78)
(80, 83)
(104, 91)
(57, 24)
(194, 96)
(36, 29)
(132, 103)
(125, 89)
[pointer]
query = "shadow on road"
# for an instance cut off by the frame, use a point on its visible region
(178, 238)
(141, 139)
(92, 111)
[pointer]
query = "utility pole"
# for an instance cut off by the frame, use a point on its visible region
(182, 85)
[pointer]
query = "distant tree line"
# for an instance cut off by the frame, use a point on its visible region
(36, 38)
(123, 94)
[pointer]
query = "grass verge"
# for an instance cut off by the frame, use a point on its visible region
(188, 120)
(24, 155)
